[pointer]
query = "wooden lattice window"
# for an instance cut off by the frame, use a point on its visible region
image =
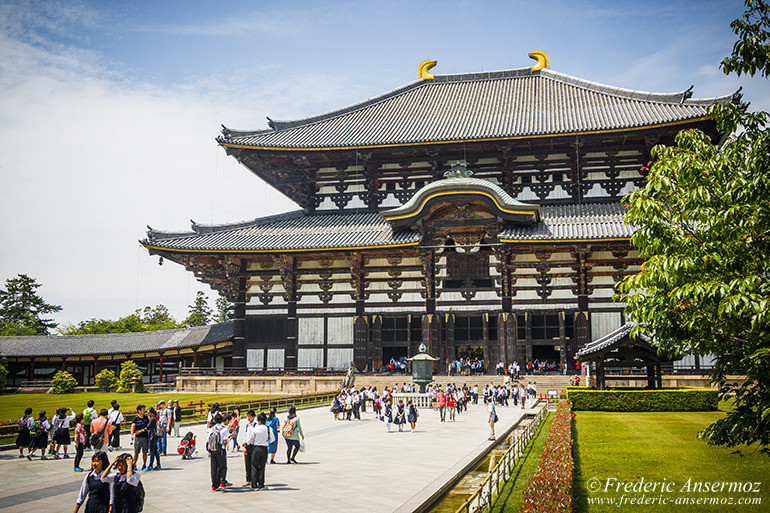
(467, 270)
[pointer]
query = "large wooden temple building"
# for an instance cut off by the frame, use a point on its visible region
(481, 214)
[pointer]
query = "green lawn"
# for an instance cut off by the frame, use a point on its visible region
(509, 499)
(658, 446)
(12, 406)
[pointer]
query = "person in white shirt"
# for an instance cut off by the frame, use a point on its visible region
(89, 414)
(115, 417)
(492, 417)
(219, 454)
(248, 448)
(260, 436)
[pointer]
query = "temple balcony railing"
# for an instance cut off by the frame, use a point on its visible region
(264, 371)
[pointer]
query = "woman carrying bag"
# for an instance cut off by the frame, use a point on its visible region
(292, 432)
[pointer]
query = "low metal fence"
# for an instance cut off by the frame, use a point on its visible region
(501, 473)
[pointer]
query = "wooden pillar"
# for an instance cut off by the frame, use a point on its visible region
(288, 266)
(430, 321)
(31, 369)
(564, 355)
(96, 368)
(195, 357)
(160, 371)
(363, 347)
(447, 356)
(237, 275)
(658, 376)
(599, 374)
(650, 376)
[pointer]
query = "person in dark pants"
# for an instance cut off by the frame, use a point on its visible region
(115, 417)
(219, 454)
(89, 414)
(292, 431)
(260, 437)
(248, 448)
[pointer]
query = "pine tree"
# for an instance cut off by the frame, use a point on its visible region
(200, 312)
(222, 305)
(22, 310)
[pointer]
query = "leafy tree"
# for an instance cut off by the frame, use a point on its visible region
(130, 378)
(3, 373)
(222, 306)
(63, 383)
(148, 319)
(200, 312)
(703, 221)
(751, 53)
(22, 310)
(106, 379)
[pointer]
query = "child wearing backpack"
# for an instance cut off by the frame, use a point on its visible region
(39, 436)
(216, 445)
(89, 414)
(23, 439)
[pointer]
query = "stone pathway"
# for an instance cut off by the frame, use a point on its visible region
(351, 466)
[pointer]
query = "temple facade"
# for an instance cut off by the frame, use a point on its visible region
(481, 214)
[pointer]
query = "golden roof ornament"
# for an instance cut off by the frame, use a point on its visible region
(459, 170)
(424, 67)
(542, 60)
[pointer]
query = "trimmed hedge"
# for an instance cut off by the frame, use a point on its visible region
(669, 399)
(550, 489)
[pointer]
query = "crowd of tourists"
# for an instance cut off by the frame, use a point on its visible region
(114, 484)
(450, 401)
(259, 443)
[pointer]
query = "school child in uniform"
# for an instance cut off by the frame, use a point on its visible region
(400, 419)
(39, 436)
(125, 484)
(23, 439)
(388, 416)
(61, 431)
(80, 441)
(412, 415)
(98, 492)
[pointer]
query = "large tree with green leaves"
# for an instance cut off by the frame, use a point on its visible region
(147, 319)
(200, 312)
(703, 224)
(22, 310)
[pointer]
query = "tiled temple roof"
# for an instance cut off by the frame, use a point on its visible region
(609, 340)
(301, 231)
(290, 231)
(115, 343)
(584, 221)
(476, 106)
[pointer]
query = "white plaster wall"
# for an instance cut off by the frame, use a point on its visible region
(255, 358)
(275, 357)
(310, 330)
(339, 358)
(604, 323)
(340, 330)
(310, 357)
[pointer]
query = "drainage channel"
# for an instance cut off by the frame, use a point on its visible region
(469, 482)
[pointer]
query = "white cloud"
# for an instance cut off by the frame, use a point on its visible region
(87, 161)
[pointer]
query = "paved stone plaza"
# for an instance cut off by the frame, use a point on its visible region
(349, 466)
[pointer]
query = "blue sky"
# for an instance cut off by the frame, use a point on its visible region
(108, 110)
